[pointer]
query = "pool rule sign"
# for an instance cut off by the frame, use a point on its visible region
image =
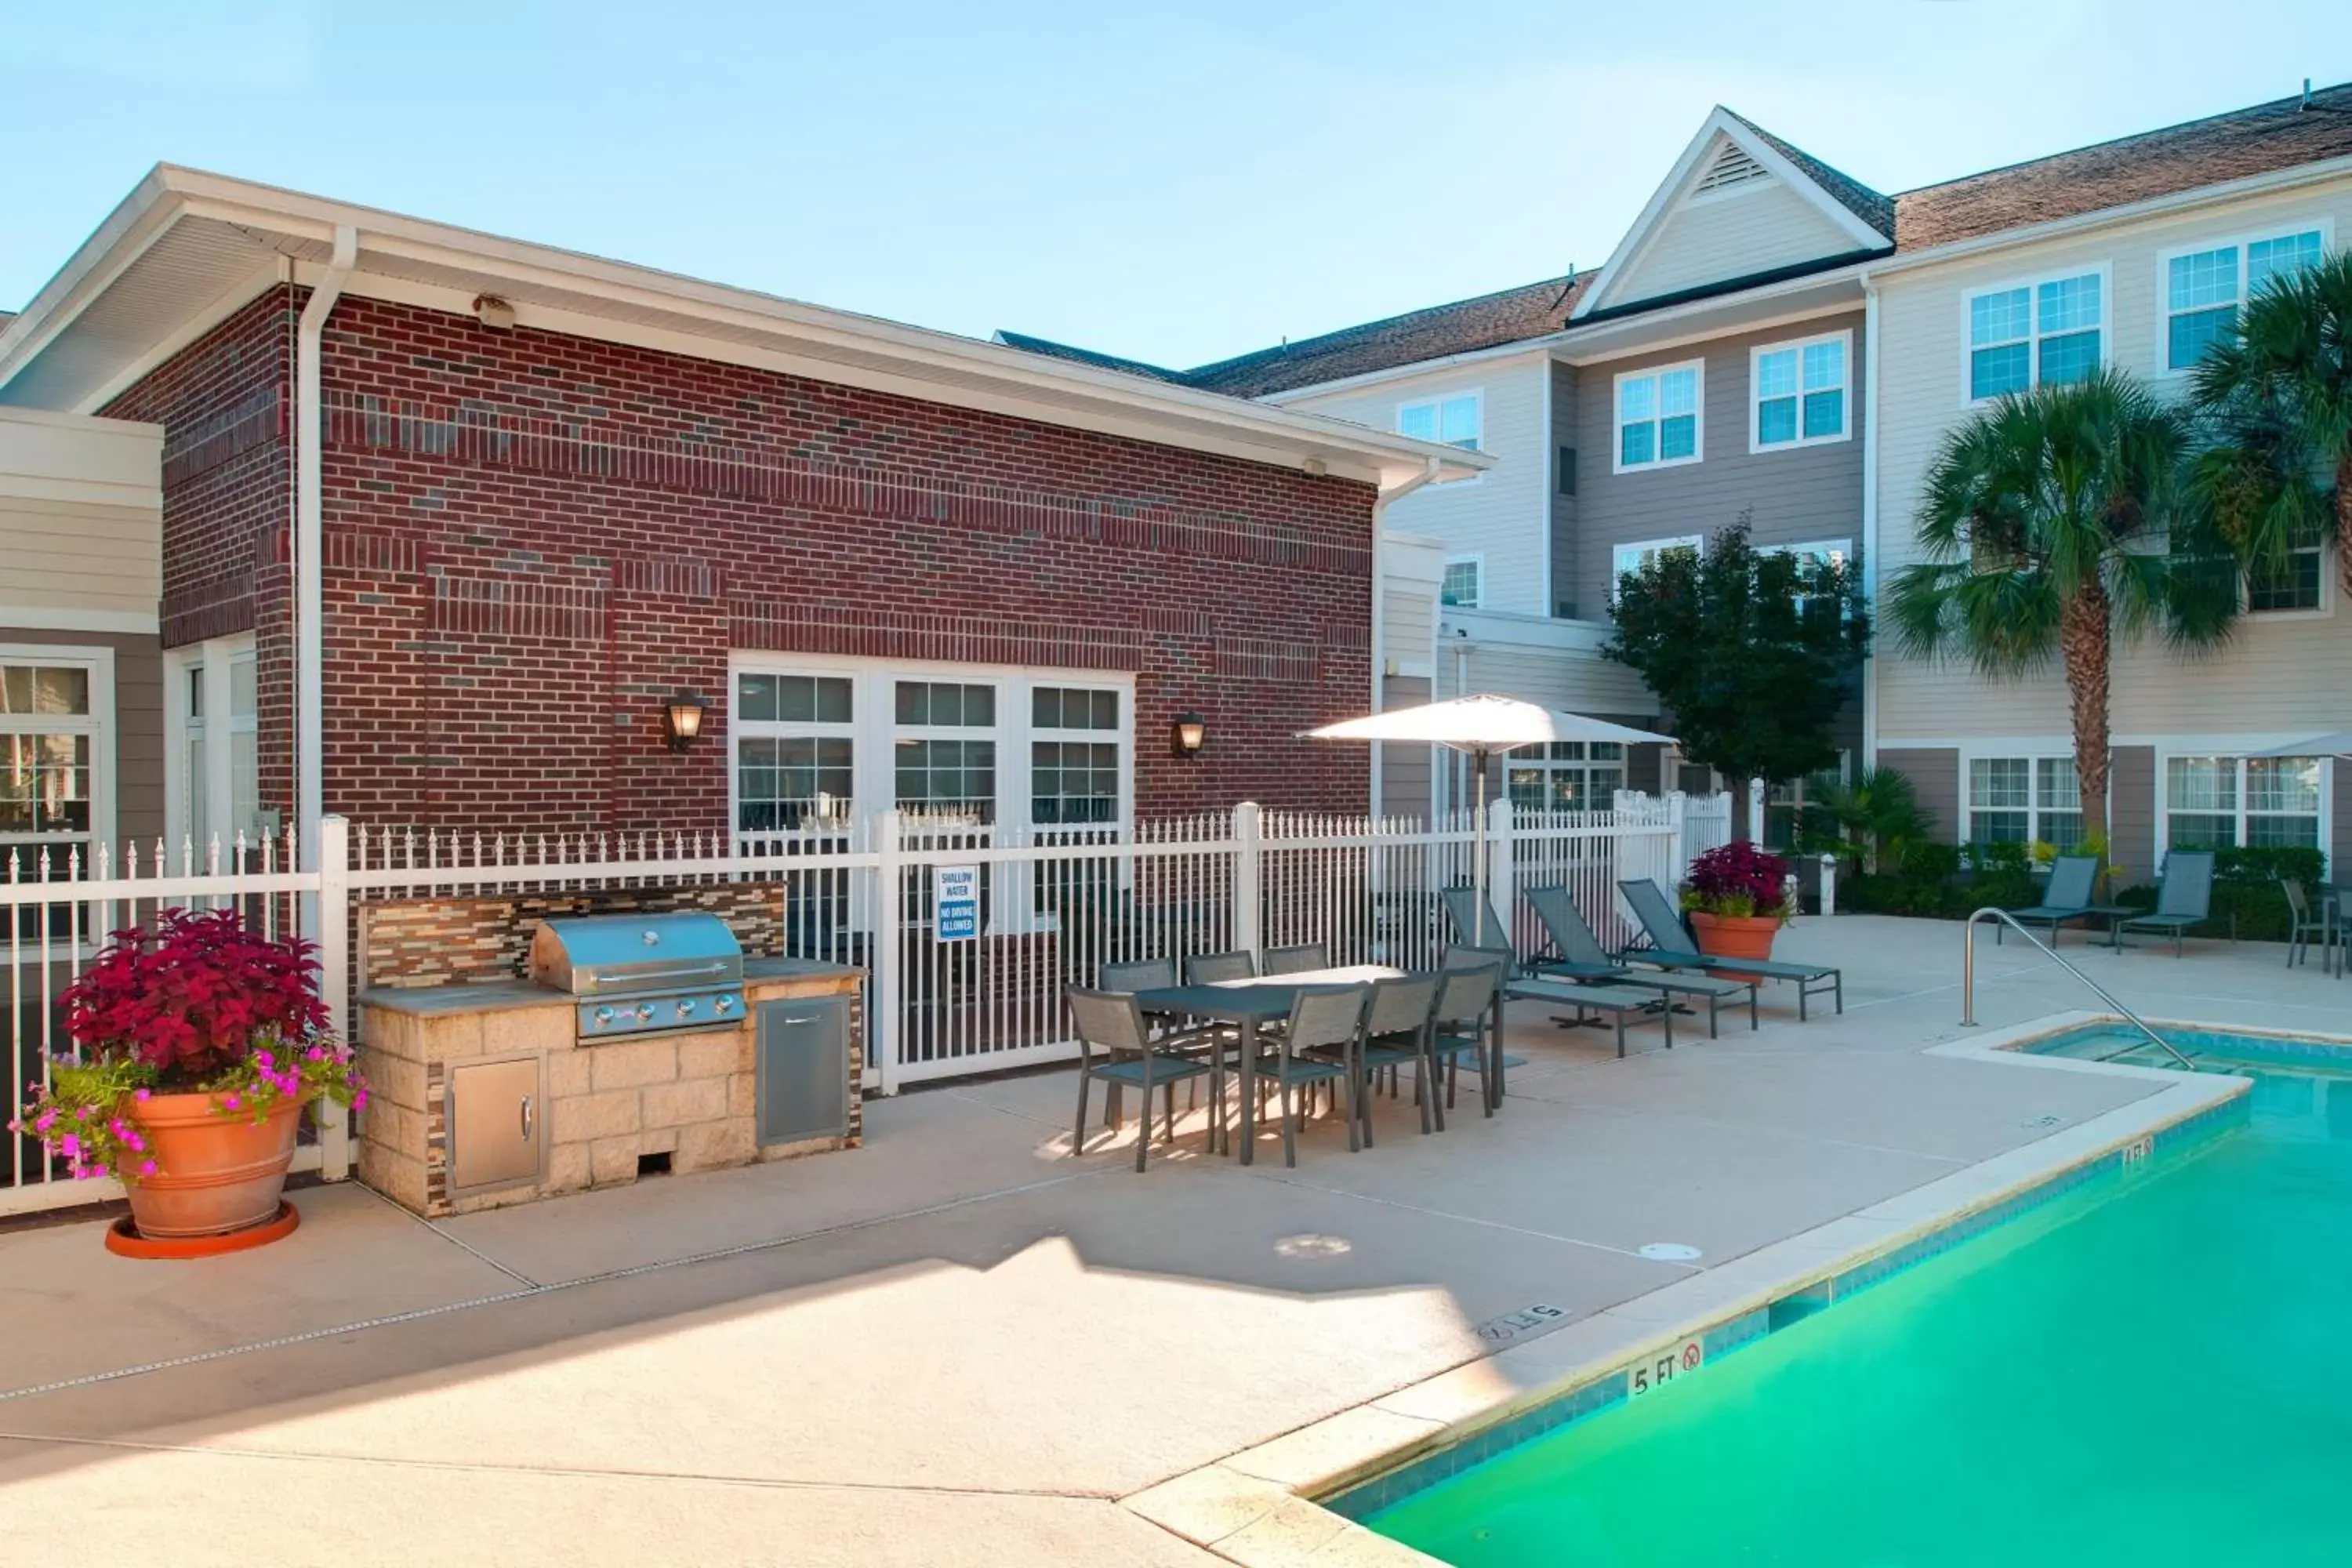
(955, 903)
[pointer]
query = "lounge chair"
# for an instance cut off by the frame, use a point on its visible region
(1587, 962)
(1615, 1003)
(2070, 896)
(2183, 899)
(1464, 910)
(1670, 948)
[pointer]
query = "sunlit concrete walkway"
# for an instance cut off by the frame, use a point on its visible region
(958, 1345)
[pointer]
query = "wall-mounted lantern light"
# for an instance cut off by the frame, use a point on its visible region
(1190, 731)
(683, 718)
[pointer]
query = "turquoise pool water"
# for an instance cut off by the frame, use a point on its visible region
(2154, 1368)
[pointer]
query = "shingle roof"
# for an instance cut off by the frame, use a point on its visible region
(2276, 135)
(1087, 356)
(1871, 206)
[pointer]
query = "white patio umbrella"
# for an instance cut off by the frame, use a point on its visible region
(1481, 725)
(2337, 744)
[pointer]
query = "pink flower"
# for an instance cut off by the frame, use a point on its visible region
(139, 1094)
(147, 1167)
(70, 1146)
(43, 1123)
(230, 1103)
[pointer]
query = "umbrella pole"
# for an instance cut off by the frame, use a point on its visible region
(1478, 867)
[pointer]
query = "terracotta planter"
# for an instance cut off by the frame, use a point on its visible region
(1734, 936)
(213, 1174)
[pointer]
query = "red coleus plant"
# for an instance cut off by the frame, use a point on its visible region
(1738, 879)
(188, 1000)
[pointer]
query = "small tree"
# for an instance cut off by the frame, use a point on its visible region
(1752, 651)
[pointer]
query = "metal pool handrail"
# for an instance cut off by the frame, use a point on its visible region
(1968, 980)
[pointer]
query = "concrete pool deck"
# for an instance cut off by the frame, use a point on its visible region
(957, 1345)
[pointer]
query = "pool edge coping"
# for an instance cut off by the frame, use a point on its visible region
(1263, 1507)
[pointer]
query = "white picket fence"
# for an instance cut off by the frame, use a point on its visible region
(1057, 904)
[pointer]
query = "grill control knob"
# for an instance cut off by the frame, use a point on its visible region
(603, 1016)
(645, 1012)
(723, 1004)
(686, 1008)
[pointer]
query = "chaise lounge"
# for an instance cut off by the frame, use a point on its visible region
(1670, 948)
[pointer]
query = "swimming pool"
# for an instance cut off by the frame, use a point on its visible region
(2154, 1368)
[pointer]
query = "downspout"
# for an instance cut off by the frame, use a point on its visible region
(310, 593)
(1380, 602)
(1870, 513)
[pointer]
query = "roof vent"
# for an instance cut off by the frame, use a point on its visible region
(1732, 167)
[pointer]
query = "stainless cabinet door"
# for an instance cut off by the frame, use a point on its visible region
(803, 1068)
(496, 1127)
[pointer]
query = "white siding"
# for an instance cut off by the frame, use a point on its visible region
(1746, 229)
(2280, 676)
(1504, 514)
(80, 521)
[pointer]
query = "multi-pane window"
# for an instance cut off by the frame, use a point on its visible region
(2217, 801)
(1455, 421)
(1464, 583)
(48, 735)
(794, 752)
(219, 766)
(1073, 755)
(1800, 392)
(1658, 416)
(946, 776)
(2036, 334)
(2204, 288)
(2024, 800)
(1639, 555)
(2292, 582)
(1565, 775)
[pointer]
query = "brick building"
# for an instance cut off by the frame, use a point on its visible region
(553, 493)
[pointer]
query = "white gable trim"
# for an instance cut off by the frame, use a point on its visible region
(1676, 189)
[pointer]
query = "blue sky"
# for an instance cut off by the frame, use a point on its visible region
(1176, 182)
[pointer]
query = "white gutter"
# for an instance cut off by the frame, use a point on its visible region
(1870, 513)
(1380, 602)
(310, 595)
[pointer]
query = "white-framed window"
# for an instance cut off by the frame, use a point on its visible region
(2203, 288)
(1660, 420)
(2217, 801)
(2024, 800)
(1565, 775)
(1816, 553)
(944, 752)
(57, 755)
(1636, 555)
(2048, 331)
(1785, 802)
(212, 761)
(1463, 586)
(2294, 585)
(1074, 769)
(1456, 419)
(1797, 392)
(795, 750)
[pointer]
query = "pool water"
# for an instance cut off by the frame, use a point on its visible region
(2154, 1368)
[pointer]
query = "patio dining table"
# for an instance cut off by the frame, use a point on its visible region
(1248, 1004)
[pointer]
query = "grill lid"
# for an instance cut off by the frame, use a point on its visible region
(607, 955)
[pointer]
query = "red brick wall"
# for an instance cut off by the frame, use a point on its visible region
(532, 538)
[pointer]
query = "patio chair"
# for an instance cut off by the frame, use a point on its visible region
(1462, 912)
(2304, 922)
(1111, 1022)
(2184, 898)
(1297, 959)
(1210, 968)
(1396, 1031)
(1188, 1035)
(1318, 1044)
(1465, 1012)
(1587, 962)
(2071, 895)
(1670, 948)
(1141, 974)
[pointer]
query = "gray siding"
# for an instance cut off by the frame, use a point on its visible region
(1799, 494)
(1935, 775)
(2131, 812)
(1404, 770)
(1567, 467)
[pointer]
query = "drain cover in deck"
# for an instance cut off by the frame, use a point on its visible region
(1669, 1252)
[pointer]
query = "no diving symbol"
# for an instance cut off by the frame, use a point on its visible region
(1691, 1355)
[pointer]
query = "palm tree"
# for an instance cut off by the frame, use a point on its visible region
(2280, 391)
(1868, 823)
(2050, 525)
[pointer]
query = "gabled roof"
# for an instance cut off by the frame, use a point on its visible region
(2281, 134)
(1466, 326)
(1869, 205)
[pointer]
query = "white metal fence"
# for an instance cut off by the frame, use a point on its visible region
(1055, 905)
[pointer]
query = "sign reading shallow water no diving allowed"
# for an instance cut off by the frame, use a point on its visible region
(955, 903)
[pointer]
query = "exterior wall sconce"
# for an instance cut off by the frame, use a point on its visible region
(1190, 731)
(683, 718)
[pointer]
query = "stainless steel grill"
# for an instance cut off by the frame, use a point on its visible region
(643, 975)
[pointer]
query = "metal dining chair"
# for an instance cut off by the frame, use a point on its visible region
(1398, 1026)
(1210, 968)
(1111, 1022)
(1297, 959)
(1464, 1019)
(1187, 1035)
(1137, 974)
(2306, 923)
(1319, 1042)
